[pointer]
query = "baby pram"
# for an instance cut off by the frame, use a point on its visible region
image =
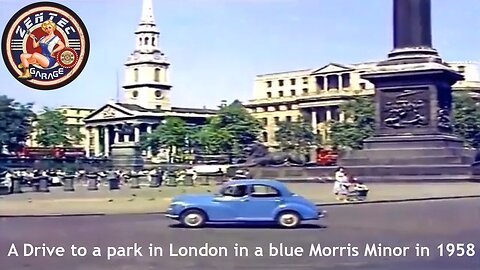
(351, 190)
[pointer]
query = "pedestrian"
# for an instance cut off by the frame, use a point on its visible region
(340, 188)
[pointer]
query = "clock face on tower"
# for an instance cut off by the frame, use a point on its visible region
(158, 94)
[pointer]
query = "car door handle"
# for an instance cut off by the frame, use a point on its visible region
(279, 200)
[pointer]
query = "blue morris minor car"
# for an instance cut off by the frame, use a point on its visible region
(244, 201)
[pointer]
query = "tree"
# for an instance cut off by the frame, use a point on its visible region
(172, 133)
(229, 131)
(52, 129)
(15, 119)
(212, 141)
(466, 116)
(295, 136)
(75, 136)
(360, 124)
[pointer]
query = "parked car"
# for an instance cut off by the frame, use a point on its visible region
(242, 201)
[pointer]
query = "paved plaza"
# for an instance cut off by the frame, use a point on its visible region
(148, 200)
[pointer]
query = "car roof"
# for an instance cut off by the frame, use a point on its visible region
(274, 183)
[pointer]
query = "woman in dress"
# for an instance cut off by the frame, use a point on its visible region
(50, 45)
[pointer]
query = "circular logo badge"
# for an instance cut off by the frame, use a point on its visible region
(45, 46)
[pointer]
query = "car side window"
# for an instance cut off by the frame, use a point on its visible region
(235, 191)
(264, 191)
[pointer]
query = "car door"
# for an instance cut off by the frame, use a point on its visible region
(229, 205)
(262, 202)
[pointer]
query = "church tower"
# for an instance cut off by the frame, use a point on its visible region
(146, 70)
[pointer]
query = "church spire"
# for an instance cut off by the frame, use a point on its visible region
(147, 13)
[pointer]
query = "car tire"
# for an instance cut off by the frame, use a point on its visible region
(193, 218)
(288, 219)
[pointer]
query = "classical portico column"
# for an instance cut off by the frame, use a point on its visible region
(325, 83)
(106, 140)
(341, 116)
(87, 141)
(117, 135)
(314, 121)
(137, 134)
(328, 114)
(149, 150)
(96, 131)
(340, 82)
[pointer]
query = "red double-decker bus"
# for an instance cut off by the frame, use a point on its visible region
(51, 152)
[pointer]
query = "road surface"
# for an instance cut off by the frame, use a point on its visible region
(399, 225)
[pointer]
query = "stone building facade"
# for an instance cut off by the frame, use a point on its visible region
(316, 94)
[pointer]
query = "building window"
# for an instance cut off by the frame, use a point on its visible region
(269, 83)
(346, 80)
(158, 94)
(332, 81)
(288, 119)
(320, 82)
(280, 83)
(289, 106)
(159, 107)
(64, 112)
(265, 136)
(153, 41)
(79, 120)
(293, 92)
(305, 80)
(78, 111)
(276, 119)
(157, 75)
(146, 41)
(269, 94)
(265, 121)
(140, 41)
(461, 69)
(363, 86)
(292, 81)
(135, 75)
(305, 91)
(135, 93)
(280, 93)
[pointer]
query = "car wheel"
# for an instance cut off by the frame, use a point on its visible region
(288, 219)
(193, 219)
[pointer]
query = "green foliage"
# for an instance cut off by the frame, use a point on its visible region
(360, 124)
(52, 129)
(229, 131)
(466, 116)
(75, 136)
(172, 133)
(15, 121)
(295, 136)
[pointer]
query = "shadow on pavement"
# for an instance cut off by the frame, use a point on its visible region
(252, 226)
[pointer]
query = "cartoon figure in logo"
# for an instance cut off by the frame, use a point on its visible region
(50, 45)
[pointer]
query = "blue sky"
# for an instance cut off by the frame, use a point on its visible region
(216, 47)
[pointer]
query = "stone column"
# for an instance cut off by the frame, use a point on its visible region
(96, 131)
(328, 114)
(87, 141)
(149, 150)
(340, 82)
(341, 116)
(106, 140)
(412, 25)
(137, 134)
(126, 138)
(117, 136)
(314, 121)
(325, 83)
